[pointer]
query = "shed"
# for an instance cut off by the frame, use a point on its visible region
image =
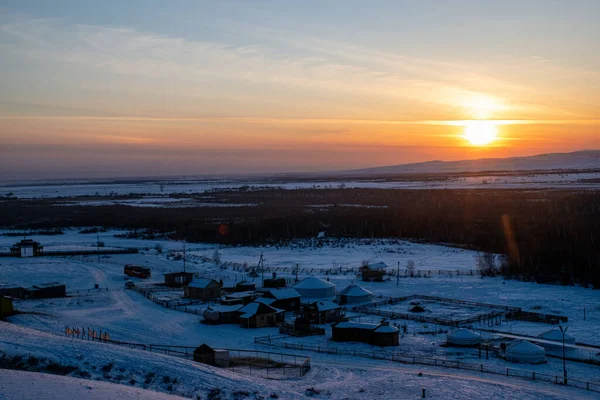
(6, 307)
(14, 291)
(285, 299)
(463, 338)
(178, 279)
(259, 315)
(373, 272)
(354, 294)
(525, 352)
(380, 335)
(47, 290)
(207, 355)
(222, 314)
(327, 311)
(245, 286)
(202, 288)
(274, 282)
(27, 248)
(315, 288)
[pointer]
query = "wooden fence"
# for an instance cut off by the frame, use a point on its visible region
(279, 341)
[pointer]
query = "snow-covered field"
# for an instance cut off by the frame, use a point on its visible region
(567, 180)
(129, 316)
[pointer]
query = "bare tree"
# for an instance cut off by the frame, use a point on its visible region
(486, 264)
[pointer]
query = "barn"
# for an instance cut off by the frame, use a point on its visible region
(380, 335)
(178, 279)
(207, 355)
(222, 314)
(373, 272)
(315, 288)
(6, 307)
(259, 315)
(285, 299)
(202, 288)
(354, 294)
(27, 248)
(47, 290)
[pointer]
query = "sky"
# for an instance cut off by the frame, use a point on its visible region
(131, 88)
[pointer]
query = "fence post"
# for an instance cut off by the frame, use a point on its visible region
(506, 371)
(533, 376)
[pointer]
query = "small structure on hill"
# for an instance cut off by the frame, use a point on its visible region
(373, 272)
(315, 288)
(222, 314)
(285, 299)
(207, 355)
(259, 315)
(27, 248)
(178, 279)
(47, 290)
(14, 291)
(274, 282)
(463, 338)
(525, 352)
(383, 334)
(202, 288)
(353, 294)
(6, 307)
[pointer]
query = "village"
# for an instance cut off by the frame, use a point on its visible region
(273, 319)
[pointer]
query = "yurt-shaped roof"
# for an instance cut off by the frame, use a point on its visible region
(315, 288)
(386, 328)
(354, 294)
(557, 336)
(463, 337)
(525, 352)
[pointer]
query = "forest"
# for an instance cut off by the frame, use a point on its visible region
(549, 235)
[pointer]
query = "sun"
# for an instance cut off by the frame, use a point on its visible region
(480, 133)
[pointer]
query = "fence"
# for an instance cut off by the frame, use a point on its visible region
(269, 365)
(279, 341)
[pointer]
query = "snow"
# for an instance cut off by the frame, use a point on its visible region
(200, 283)
(282, 294)
(355, 291)
(313, 283)
(17, 385)
(326, 305)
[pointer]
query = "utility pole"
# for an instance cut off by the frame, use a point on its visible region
(98, 245)
(398, 275)
(297, 270)
(563, 331)
(184, 256)
(261, 265)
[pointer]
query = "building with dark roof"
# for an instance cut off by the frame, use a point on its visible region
(383, 334)
(285, 299)
(202, 288)
(27, 248)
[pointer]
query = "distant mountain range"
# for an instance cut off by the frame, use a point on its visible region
(579, 160)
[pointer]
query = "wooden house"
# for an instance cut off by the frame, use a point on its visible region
(207, 355)
(6, 307)
(383, 334)
(327, 311)
(178, 279)
(285, 299)
(46, 291)
(259, 315)
(202, 288)
(373, 272)
(27, 248)
(222, 314)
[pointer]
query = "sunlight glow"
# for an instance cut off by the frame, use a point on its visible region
(480, 133)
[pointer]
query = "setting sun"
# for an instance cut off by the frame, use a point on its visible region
(480, 133)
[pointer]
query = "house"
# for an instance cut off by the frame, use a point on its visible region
(6, 307)
(46, 291)
(202, 288)
(383, 334)
(178, 279)
(285, 299)
(238, 298)
(207, 355)
(274, 282)
(373, 272)
(222, 314)
(327, 311)
(27, 248)
(259, 315)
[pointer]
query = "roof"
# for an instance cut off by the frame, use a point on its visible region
(254, 308)
(326, 306)
(386, 328)
(354, 325)
(48, 285)
(265, 300)
(226, 309)
(556, 335)
(201, 283)
(9, 286)
(282, 294)
(355, 291)
(377, 265)
(180, 273)
(239, 295)
(313, 283)
(464, 334)
(524, 347)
